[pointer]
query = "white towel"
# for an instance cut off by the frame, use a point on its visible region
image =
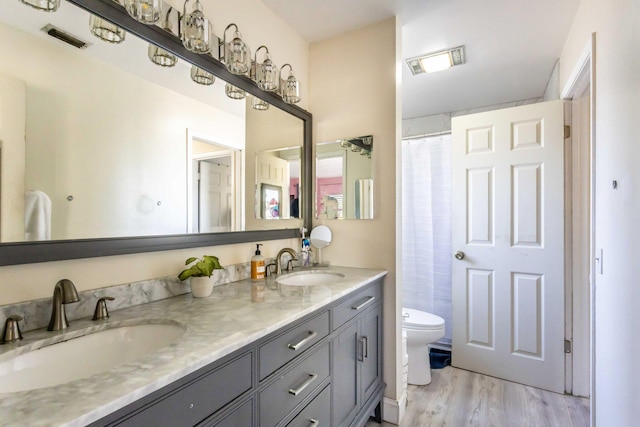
(37, 216)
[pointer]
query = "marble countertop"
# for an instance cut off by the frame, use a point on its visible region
(215, 326)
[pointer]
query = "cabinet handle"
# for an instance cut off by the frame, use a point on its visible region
(297, 391)
(368, 301)
(360, 355)
(311, 336)
(314, 423)
(365, 346)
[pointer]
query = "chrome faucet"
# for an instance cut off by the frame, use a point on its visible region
(63, 293)
(294, 257)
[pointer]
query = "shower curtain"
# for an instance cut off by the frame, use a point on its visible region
(426, 226)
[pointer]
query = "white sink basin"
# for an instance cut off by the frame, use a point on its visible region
(310, 278)
(84, 356)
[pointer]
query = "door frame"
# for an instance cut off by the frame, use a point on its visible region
(237, 160)
(582, 79)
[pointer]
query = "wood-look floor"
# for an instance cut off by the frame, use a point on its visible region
(458, 398)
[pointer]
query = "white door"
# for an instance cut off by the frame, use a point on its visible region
(215, 196)
(508, 223)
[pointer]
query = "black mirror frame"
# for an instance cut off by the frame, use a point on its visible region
(58, 250)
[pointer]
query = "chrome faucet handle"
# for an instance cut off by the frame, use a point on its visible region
(290, 264)
(101, 311)
(11, 330)
(268, 270)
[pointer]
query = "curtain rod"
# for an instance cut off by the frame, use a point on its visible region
(425, 135)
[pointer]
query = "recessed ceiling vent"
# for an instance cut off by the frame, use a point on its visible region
(64, 36)
(436, 61)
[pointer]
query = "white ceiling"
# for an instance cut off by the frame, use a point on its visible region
(511, 46)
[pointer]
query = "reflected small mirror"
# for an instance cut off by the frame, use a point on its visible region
(278, 183)
(344, 179)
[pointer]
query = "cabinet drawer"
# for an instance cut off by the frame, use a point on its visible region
(278, 399)
(282, 349)
(356, 304)
(315, 414)
(200, 398)
(241, 417)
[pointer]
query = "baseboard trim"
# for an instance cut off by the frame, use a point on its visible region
(394, 410)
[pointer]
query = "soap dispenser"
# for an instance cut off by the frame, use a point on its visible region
(257, 264)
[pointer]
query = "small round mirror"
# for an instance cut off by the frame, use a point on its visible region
(320, 236)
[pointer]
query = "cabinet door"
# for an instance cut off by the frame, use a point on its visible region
(344, 382)
(369, 338)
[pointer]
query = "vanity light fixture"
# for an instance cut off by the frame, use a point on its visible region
(196, 28)
(161, 57)
(436, 61)
(105, 30)
(237, 55)
(202, 77)
(259, 104)
(267, 76)
(344, 143)
(144, 11)
(234, 92)
(156, 54)
(290, 87)
(43, 5)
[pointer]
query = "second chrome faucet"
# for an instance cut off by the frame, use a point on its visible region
(63, 293)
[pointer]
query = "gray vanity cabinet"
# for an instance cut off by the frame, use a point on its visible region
(357, 365)
(322, 370)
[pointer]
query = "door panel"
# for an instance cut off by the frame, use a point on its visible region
(508, 216)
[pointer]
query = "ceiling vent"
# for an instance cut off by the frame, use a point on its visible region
(436, 61)
(64, 36)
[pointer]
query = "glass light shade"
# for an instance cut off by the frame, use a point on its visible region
(291, 90)
(234, 92)
(367, 140)
(202, 77)
(364, 152)
(144, 11)
(237, 55)
(44, 5)
(105, 30)
(196, 29)
(259, 104)
(345, 144)
(267, 74)
(356, 148)
(161, 57)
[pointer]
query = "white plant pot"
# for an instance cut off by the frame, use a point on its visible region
(201, 287)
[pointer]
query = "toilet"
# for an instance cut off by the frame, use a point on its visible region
(422, 329)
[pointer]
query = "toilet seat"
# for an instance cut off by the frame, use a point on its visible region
(416, 319)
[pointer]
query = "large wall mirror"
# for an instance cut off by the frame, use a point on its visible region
(121, 155)
(344, 179)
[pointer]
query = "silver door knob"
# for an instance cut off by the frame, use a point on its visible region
(459, 255)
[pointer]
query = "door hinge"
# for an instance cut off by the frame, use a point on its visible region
(567, 131)
(567, 346)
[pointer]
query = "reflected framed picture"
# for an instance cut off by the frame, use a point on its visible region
(271, 199)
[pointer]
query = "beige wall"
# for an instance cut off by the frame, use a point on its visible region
(260, 26)
(616, 24)
(353, 91)
(12, 157)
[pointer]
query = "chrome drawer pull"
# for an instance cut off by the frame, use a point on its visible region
(364, 304)
(311, 336)
(314, 423)
(297, 391)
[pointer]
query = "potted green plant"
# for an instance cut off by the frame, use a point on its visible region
(200, 273)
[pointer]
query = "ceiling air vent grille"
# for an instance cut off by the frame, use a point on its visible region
(64, 36)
